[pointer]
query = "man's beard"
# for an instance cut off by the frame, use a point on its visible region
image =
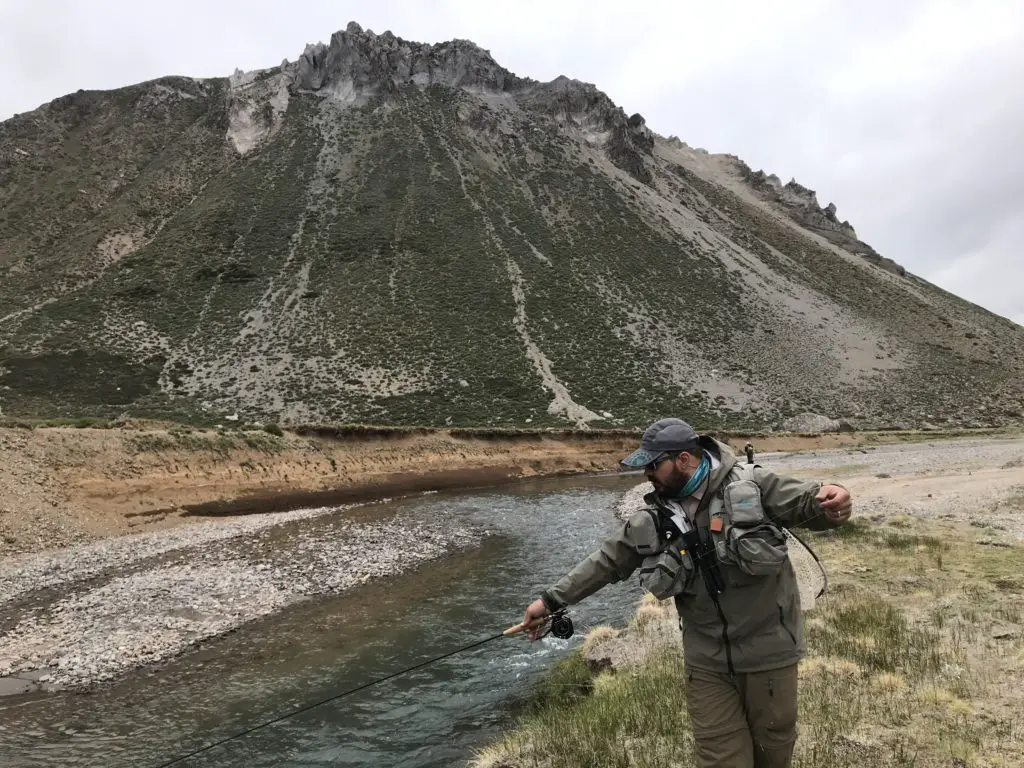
(675, 483)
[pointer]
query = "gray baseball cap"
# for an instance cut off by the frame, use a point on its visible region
(663, 436)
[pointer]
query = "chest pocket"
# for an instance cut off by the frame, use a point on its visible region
(667, 567)
(744, 535)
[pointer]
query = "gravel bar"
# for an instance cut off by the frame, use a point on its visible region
(215, 577)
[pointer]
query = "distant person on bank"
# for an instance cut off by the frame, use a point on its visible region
(709, 538)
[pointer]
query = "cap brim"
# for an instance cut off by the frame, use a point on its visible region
(640, 458)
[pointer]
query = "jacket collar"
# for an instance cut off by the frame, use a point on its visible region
(726, 458)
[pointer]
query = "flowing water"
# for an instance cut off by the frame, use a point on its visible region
(433, 716)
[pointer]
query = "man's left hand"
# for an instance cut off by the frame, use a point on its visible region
(835, 502)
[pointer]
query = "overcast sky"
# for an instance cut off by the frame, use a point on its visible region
(908, 114)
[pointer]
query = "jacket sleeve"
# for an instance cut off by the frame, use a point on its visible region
(790, 502)
(614, 561)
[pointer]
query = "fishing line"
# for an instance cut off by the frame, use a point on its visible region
(559, 625)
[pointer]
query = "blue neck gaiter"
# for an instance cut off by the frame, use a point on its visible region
(698, 477)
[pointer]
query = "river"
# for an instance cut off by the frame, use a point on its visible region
(434, 716)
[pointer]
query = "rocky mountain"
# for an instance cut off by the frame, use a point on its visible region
(393, 232)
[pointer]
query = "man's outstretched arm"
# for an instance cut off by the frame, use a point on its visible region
(803, 503)
(614, 561)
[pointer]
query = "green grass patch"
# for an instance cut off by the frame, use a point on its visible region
(916, 661)
(874, 633)
(567, 681)
(900, 541)
(1016, 499)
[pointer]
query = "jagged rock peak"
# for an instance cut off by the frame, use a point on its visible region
(361, 60)
(572, 100)
(796, 196)
(801, 204)
(589, 110)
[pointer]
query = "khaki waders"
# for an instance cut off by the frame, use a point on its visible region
(744, 721)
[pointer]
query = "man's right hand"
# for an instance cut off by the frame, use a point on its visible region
(835, 503)
(533, 618)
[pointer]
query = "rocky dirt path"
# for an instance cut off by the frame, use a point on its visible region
(978, 482)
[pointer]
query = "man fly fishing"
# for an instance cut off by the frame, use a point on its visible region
(710, 538)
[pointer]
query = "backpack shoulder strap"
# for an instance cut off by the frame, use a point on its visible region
(745, 471)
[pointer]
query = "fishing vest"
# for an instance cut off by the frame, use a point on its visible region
(739, 534)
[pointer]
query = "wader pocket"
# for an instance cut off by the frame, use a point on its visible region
(643, 534)
(759, 551)
(665, 570)
(667, 573)
(743, 503)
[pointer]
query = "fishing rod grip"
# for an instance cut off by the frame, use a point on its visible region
(523, 626)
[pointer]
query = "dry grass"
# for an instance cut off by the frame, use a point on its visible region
(1016, 499)
(916, 658)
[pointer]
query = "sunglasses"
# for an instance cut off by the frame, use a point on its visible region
(653, 465)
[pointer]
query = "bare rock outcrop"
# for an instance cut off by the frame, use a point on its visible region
(257, 103)
(802, 205)
(358, 60)
(358, 64)
(595, 117)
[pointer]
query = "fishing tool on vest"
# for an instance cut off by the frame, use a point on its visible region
(704, 554)
(559, 625)
(701, 547)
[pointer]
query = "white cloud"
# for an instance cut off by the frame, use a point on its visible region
(936, 43)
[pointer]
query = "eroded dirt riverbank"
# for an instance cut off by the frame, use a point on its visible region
(62, 487)
(65, 486)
